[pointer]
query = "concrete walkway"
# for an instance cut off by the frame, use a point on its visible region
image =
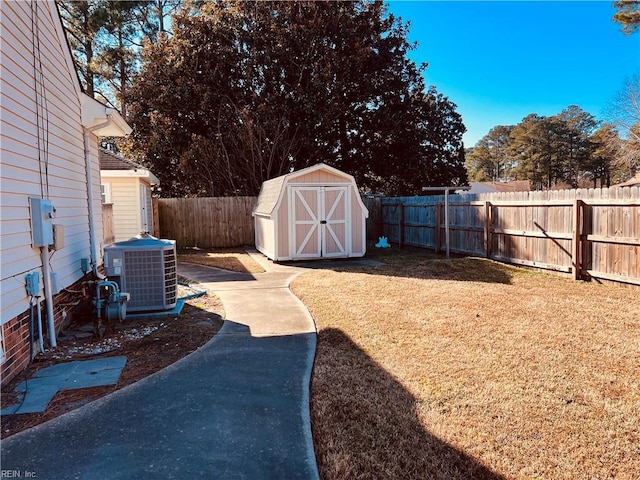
(237, 408)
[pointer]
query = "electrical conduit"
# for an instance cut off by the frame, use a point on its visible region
(48, 295)
(40, 339)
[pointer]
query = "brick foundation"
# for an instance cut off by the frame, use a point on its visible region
(17, 343)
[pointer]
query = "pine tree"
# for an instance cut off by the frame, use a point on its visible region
(490, 161)
(83, 22)
(628, 15)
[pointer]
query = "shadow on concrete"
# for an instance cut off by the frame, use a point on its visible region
(366, 424)
(233, 409)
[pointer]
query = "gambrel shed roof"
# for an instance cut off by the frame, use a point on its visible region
(269, 194)
(273, 189)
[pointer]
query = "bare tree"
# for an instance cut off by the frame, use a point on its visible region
(624, 114)
(624, 111)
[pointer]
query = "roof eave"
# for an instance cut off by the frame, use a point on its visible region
(95, 113)
(142, 173)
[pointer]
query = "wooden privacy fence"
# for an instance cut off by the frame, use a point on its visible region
(108, 226)
(591, 233)
(374, 221)
(207, 222)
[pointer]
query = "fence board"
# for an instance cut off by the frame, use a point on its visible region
(589, 232)
(374, 221)
(108, 225)
(207, 222)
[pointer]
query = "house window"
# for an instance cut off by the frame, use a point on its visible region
(105, 192)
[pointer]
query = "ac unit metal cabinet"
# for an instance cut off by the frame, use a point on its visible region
(145, 268)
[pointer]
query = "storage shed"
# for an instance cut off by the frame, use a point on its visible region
(312, 213)
(127, 186)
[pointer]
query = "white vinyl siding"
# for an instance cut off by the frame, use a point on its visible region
(125, 197)
(20, 167)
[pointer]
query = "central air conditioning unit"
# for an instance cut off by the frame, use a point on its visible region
(145, 268)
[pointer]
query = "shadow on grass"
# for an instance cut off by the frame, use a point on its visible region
(366, 424)
(226, 262)
(429, 266)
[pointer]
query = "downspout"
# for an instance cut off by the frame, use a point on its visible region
(89, 174)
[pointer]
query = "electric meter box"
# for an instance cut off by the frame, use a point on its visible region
(42, 214)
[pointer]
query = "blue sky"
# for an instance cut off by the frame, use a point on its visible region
(500, 61)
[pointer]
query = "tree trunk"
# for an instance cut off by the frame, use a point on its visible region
(89, 78)
(123, 77)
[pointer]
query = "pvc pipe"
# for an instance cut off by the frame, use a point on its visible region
(89, 175)
(40, 339)
(48, 295)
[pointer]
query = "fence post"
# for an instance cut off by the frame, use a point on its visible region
(156, 217)
(401, 225)
(577, 234)
(438, 222)
(488, 241)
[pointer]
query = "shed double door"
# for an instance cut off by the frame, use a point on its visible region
(320, 222)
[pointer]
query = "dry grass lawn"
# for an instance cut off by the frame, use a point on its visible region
(229, 259)
(466, 368)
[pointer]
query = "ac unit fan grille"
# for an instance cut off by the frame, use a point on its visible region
(170, 277)
(151, 282)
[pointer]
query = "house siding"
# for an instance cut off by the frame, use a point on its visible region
(63, 164)
(55, 170)
(125, 197)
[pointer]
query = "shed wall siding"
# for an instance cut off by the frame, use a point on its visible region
(282, 226)
(265, 237)
(357, 225)
(320, 177)
(62, 164)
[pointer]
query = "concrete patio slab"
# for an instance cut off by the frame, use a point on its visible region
(37, 392)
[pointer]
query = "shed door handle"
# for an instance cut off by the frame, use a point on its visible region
(323, 222)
